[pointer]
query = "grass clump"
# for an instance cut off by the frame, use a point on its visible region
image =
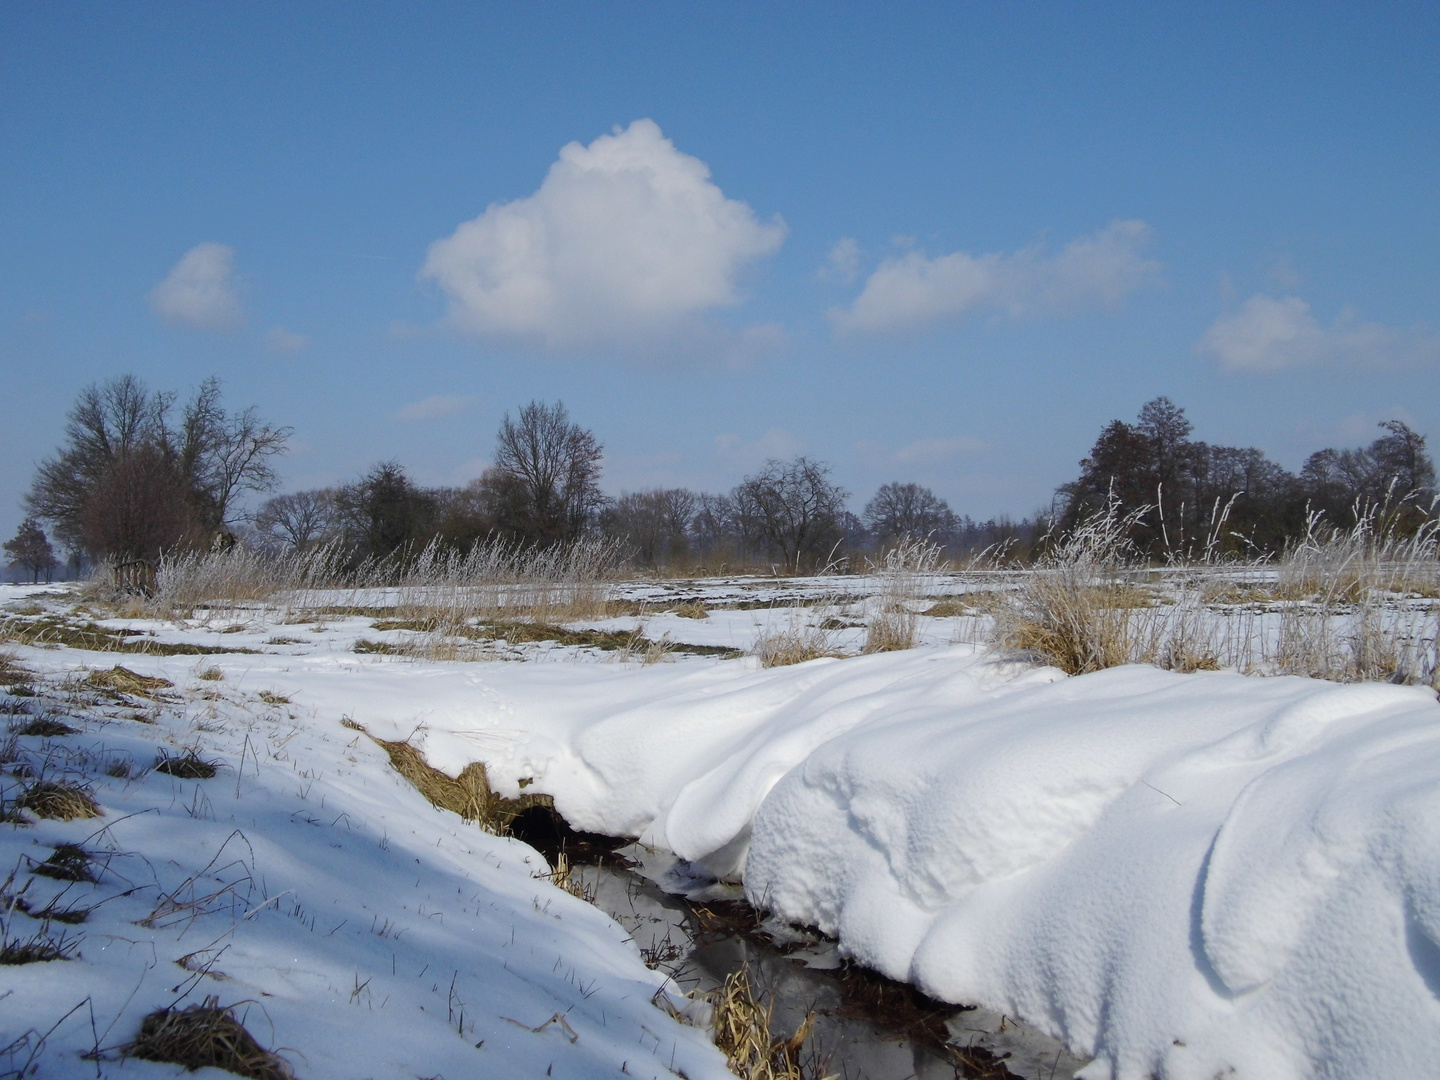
(206, 1035)
(186, 766)
(468, 794)
(68, 862)
(47, 727)
(59, 801)
(210, 674)
(693, 609)
(904, 573)
(741, 1029)
(36, 950)
(795, 643)
(122, 680)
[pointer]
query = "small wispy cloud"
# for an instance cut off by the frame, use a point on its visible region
(285, 341)
(843, 262)
(921, 452)
(913, 289)
(200, 290)
(1270, 334)
(434, 407)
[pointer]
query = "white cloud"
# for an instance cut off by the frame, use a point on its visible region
(626, 239)
(843, 262)
(281, 340)
(434, 407)
(1267, 334)
(200, 290)
(910, 290)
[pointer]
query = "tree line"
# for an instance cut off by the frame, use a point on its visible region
(136, 477)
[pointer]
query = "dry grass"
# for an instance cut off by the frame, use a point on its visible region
(37, 949)
(210, 674)
(186, 766)
(693, 609)
(905, 572)
(741, 1028)
(1346, 605)
(68, 862)
(47, 727)
(58, 800)
(794, 643)
(562, 875)
(124, 681)
(207, 1035)
(468, 794)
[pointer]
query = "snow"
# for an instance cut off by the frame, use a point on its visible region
(1178, 875)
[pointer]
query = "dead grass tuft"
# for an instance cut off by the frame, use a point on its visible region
(741, 1028)
(59, 801)
(693, 609)
(68, 862)
(269, 697)
(210, 674)
(794, 643)
(186, 766)
(37, 949)
(206, 1035)
(124, 681)
(46, 727)
(904, 572)
(468, 794)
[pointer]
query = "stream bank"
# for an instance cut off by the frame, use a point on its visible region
(866, 1027)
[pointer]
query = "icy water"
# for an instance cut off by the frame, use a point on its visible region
(866, 1027)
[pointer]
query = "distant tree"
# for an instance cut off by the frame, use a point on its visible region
(31, 549)
(298, 520)
(794, 507)
(170, 484)
(902, 511)
(655, 523)
(385, 513)
(1395, 472)
(545, 484)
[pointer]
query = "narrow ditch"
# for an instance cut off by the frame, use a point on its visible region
(866, 1027)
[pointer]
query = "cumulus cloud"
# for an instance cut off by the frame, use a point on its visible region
(281, 340)
(913, 289)
(200, 290)
(627, 238)
(1269, 334)
(434, 407)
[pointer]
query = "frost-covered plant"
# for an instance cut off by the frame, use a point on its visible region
(904, 573)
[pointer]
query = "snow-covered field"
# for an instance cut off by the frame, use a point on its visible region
(1178, 875)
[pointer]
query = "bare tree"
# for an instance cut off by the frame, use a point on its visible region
(549, 470)
(31, 549)
(909, 511)
(123, 456)
(224, 454)
(656, 522)
(298, 520)
(795, 507)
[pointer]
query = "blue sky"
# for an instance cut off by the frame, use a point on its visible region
(932, 242)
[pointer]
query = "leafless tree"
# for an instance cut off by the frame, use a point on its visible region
(655, 522)
(123, 456)
(548, 469)
(795, 507)
(298, 520)
(908, 511)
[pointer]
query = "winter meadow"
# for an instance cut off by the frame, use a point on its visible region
(702, 541)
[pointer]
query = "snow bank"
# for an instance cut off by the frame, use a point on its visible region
(1182, 875)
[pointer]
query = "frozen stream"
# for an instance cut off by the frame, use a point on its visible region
(866, 1027)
